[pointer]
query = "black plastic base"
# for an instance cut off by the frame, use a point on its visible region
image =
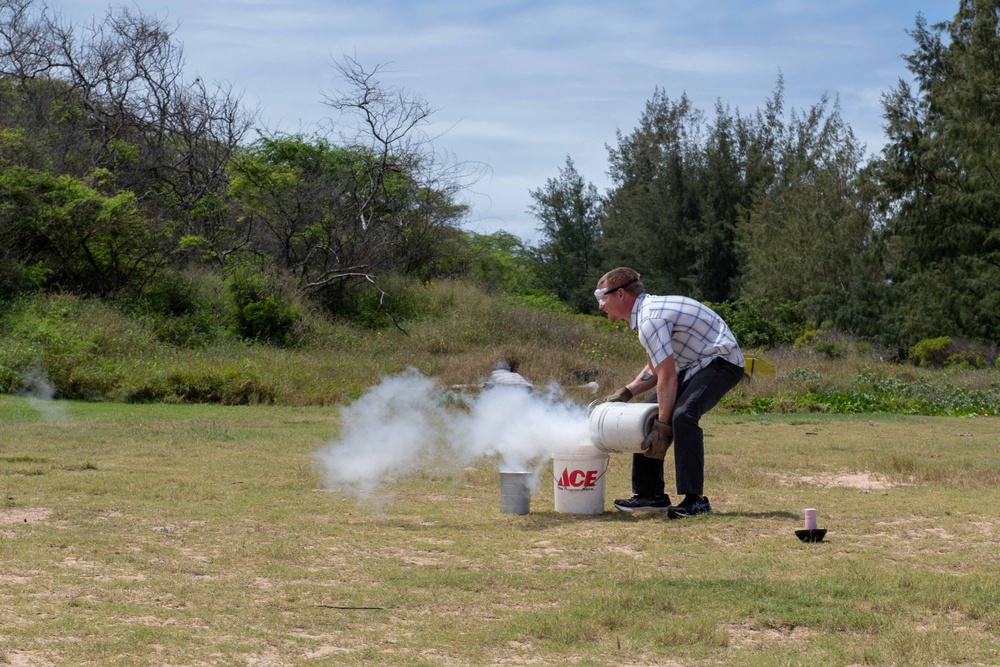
(814, 535)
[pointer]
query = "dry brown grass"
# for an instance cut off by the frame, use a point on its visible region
(201, 535)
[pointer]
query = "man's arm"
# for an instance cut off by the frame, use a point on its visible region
(644, 381)
(665, 374)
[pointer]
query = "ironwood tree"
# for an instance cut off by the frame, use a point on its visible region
(652, 210)
(802, 235)
(569, 211)
(939, 178)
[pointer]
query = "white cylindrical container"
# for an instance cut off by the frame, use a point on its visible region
(621, 427)
(578, 476)
(515, 492)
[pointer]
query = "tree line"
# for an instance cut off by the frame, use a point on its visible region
(119, 177)
(118, 173)
(781, 211)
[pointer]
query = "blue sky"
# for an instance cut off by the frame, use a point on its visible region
(519, 85)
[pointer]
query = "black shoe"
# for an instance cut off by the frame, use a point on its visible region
(642, 504)
(690, 507)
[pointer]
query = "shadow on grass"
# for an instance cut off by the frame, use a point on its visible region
(761, 515)
(552, 518)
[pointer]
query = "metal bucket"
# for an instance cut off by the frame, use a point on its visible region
(515, 492)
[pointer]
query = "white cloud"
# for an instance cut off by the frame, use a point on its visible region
(519, 85)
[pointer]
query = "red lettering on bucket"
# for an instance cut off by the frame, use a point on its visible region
(577, 479)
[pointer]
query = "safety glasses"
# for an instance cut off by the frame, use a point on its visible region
(602, 294)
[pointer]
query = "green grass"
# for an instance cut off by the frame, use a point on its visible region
(201, 535)
(89, 350)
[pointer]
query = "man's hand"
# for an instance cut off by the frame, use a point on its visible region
(623, 395)
(658, 441)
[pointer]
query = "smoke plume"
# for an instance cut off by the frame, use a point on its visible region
(402, 425)
(35, 386)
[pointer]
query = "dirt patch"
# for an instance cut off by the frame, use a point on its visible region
(626, 550)
(326, 651)
(743, 635)
(11, 517)
(986, 527)
(269, 658)
(25, 659)
(864, 481)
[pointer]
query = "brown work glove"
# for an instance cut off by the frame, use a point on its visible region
(623, 395)
(658, 441)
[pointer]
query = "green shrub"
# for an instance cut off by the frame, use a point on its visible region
(204, 386)
(393, 300)
(86, 241)
(810, 379)
(751, 324)
(831, 349)
(536, 298)
(17, 279)
(187, 309)
(89, 349)
(821, 339)
(262, 312)
(48, 326)
(226, 387)
(965, 360)
(266, 320)
(171, 294)
(791, 316)
(972, 354)
(14, 359)
(946, 352)
(811, 334)
(81, 344)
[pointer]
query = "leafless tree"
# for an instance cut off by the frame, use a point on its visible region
(387, 124)
(126, 73)
(108, 103)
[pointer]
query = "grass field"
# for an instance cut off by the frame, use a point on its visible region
(201, 535)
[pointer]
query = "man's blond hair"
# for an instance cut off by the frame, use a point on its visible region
(623, 277)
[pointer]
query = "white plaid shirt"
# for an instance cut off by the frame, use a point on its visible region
(685, 328)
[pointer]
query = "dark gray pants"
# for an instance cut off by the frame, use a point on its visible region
(695, 396)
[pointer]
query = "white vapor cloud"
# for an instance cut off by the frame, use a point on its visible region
(402, 425)
(40, 392)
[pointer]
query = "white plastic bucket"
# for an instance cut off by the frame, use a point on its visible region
(515, 492)
(621, 427)
(578, 476)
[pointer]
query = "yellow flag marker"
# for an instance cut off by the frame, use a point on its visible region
(758, 367)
